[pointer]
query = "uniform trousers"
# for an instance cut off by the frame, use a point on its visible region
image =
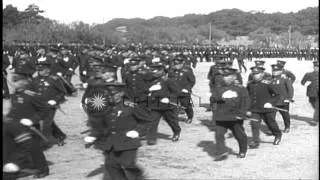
(185, 101)
(316, 110)
(312, 101)
(6, 93)
(285, 115)
(50, 128)
(169, 115)
(270, 120)
(237, 130)
(121, 165)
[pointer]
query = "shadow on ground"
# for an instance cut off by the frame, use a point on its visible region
(98, 171)
(308, 120)
(208, 124)
(210, 148)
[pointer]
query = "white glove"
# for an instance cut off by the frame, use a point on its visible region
(126, 61)
(155, 87)
(287, 101)
(164, 100)
(89, 139)
(10, 66)
(84, 72)
(42, 59)
(283, 76)
(10, 168)
(59, 73)
(70, 69)
(52, 102)
(85, 85)
(229, 94)
(132, 134)
(66, 59)
(156, 59)
(26, 122)
(184, 91)
(267, 105)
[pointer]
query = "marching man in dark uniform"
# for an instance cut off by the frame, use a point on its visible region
(261, 91)
(5, 65)
(117, 135)
(51, 89)
(162, 96)
(285, 89)
(136, 82)
(259, 63)
(20, 141)
(313, 90)
(24, 63)
(286, 73)
(232, 105)
(185, 78)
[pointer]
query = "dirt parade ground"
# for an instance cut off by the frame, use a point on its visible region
(192, 157)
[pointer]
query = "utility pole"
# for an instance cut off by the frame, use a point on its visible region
(104, 38)
(210, 33)
(289, 31)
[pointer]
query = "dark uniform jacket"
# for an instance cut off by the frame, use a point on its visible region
(59, 65)
(111, 132)
(136, 86)
(214, 77)
(169, 89)
(228, 109)
(5, 63)
(313, 88)
(71, 64)
(13, 135)
(25, 105)
(184, 78)
(290, 75)
(49, 88)
(260, 93)
(284, 88)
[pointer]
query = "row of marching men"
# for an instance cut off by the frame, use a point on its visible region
(63, 65)
(151, 90)
(29, 126)
(119, 113)
(264, 95)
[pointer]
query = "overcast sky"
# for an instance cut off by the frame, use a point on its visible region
(98, 11)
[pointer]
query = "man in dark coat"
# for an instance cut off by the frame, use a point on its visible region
(261, 91)
(22, 146)
(117, 134)
(285, 89)
(185, 78)
(232, 105)
(313, 90)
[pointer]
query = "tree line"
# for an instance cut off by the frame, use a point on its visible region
(263, 28)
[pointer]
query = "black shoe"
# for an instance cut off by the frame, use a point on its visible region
(229, 135)
(286, 130)
(313, 123)
(175, 137)
(189, 121)
(254, 145)
(61, 143)
(41, 174)
(242, 155)
(277, 140)
(269, 133)
(221, 157)
(213, 128)
(151, 142)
